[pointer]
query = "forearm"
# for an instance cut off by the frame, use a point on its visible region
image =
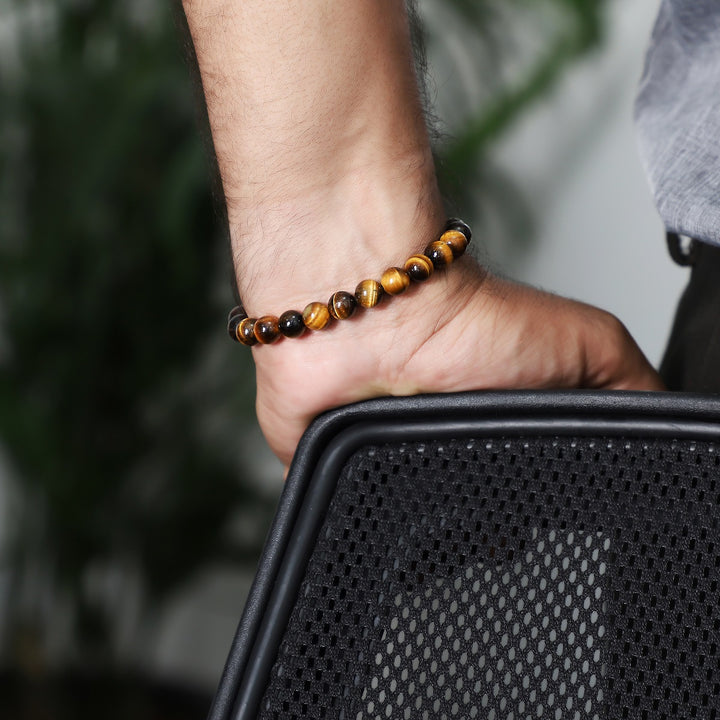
(320, 140)
(328, 176)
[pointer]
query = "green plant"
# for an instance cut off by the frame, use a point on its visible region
(109, 260)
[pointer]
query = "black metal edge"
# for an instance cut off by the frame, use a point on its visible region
(444, 409)
(262, 584)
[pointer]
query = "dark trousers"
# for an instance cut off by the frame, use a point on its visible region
(692, 357)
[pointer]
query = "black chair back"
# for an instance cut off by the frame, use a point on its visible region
(491, 555)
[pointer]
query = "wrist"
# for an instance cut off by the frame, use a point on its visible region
(381, 351)
(305, 245)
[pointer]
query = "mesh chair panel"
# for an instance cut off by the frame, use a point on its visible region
(507, 578)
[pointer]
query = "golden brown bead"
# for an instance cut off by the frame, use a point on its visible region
(419, 268)
(235, 317)
(246, 332)
(316, 316)
(342, 305)
(456, 240)
(369, 293)
(232, 326)
(395, 281)
(440, 253)
(266, 329)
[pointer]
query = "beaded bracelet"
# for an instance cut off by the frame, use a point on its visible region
(317, 315)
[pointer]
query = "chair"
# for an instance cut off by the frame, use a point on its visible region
(491, 555)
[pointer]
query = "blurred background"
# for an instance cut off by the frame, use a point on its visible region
(135, 488)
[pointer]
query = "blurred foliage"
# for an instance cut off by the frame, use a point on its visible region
(581, 30)
(518, 50)
(109, 254)
(118, 409)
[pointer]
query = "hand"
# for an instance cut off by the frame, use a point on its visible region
(327, 172)
(462, 330)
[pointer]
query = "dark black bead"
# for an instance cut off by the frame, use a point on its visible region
(233, 322)
(458, 224)
(291, 324)
(237, 311)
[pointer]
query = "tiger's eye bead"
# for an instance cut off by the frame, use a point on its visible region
(456, 240)
(235, 316)
(460, 226)
(238, 311)
(440, 253)
(266, 329)
(233, 323)
(316, 316)
(395, 281)
(246, 332)
(291, 324)
(419, 268)
(342, 305)
(369, 293)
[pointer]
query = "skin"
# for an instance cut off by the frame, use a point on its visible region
(328, 177)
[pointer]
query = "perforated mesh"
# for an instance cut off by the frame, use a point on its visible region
(508, 579)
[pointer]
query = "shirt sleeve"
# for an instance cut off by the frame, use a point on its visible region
(677, 114)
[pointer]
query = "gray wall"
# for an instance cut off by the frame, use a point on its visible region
(600, 239)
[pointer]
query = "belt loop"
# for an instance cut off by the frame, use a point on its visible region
(682, 250)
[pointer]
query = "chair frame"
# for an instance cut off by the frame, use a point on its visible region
(336, 435)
